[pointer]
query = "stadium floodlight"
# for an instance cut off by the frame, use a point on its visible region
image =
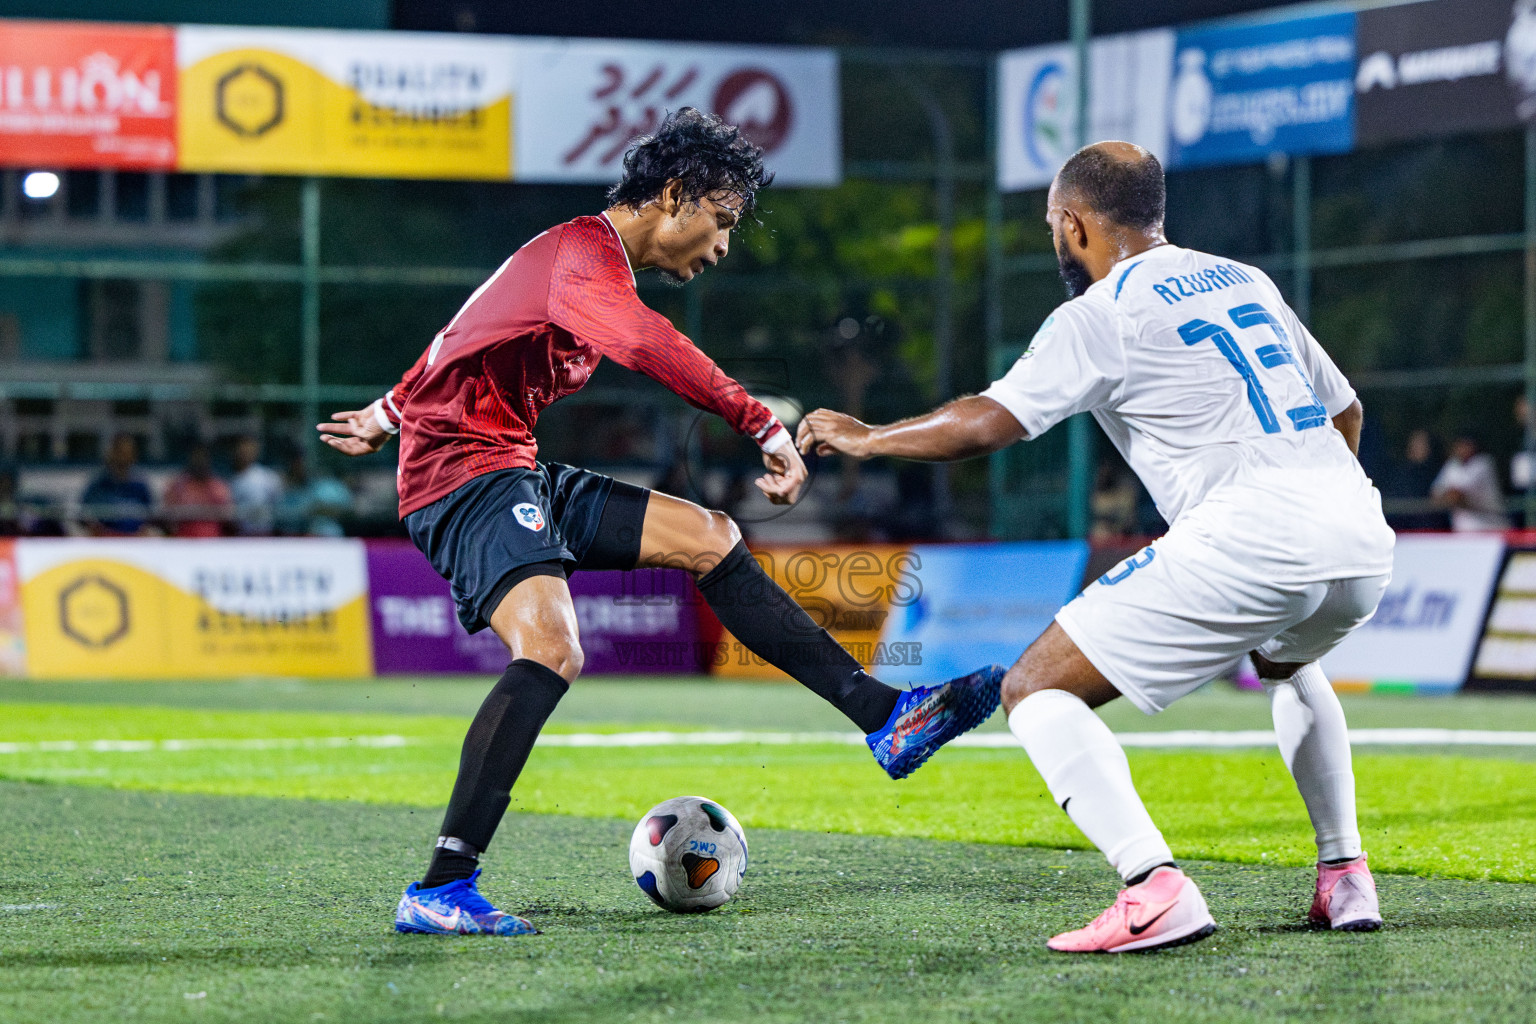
(40, 185)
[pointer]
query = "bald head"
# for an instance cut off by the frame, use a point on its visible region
(1106, 205)
(1120, 181)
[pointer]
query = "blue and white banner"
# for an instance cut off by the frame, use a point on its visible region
(1037, 126)
(980, 603)
(1038, 117)
(1424, 632)
(1240, 93)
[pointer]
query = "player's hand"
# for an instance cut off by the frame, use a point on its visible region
(354, 432)
(829, 433)
(785, 477)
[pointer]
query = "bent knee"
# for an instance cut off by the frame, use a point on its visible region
(1054, 662)
(558, 651)
(718, 534)
(1018, 683)
(573, 661)
(564, 657)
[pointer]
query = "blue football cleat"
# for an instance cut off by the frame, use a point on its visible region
(455, 909)
(928, 717)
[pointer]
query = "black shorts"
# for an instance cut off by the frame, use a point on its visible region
(501, 528)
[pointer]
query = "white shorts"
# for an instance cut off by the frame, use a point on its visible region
(1183, 612)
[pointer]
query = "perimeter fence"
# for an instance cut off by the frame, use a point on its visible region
(205, 307)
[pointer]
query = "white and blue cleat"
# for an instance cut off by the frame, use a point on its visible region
(455, 909)
(927, 717)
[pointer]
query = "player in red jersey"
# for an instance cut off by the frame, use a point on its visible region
(507, 530)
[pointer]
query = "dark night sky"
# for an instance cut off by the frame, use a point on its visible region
(970, 24)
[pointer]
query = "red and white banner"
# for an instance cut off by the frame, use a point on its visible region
(77, 94)
(583, 101)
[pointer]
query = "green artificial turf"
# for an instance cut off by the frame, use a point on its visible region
(130, 906)
(191, 884)
(1466, 817)
(724, 703)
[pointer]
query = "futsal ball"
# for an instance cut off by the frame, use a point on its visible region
(688, 854)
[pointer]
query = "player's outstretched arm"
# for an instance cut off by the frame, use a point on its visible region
(962, 429)
(354, 432)
(364, 431)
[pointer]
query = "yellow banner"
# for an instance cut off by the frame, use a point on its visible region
(156, 609)
(294, 101)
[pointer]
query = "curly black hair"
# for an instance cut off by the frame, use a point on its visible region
(707, 155)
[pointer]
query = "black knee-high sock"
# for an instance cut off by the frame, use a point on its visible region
(495, 750)
(772, 626)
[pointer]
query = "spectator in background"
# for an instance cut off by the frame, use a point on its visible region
(197, 503)
(256, 490)
(1468, 484)
(312, 504)
(1411, 478)
(1522, 466)
(117, 503)
(24, 515)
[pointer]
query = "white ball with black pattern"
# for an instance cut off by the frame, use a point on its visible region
(688, 854)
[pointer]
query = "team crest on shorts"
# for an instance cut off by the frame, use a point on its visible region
(529, 516)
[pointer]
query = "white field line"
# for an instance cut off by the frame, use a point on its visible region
(1169, 738)
(144, 746)
(1207, 738)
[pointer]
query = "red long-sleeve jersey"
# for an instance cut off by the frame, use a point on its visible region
(530, 335)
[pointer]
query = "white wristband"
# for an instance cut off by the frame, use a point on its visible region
(383, 420)
(776, 440)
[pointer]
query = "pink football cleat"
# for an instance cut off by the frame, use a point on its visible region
(1346, 897)
(1165, 910)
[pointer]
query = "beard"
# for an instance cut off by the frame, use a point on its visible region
(670, 278)
(1073, 273)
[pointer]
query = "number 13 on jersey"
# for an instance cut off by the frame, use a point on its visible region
(1303, 417)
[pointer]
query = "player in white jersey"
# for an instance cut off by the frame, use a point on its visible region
(1244, 432)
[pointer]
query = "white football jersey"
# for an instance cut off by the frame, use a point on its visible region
(1220, 401)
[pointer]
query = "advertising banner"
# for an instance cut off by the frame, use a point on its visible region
(638, 623)
(581, 102)
(13, 660)
(1506, 657)
(203, 98)
(848, 590)
(77, 94)
(632, 623)
(372, 104)
(979, 603)
(415, 630)
(1037, 93)
(1242, 92)
(1427, 626)
(142, 608)
(1444, 67)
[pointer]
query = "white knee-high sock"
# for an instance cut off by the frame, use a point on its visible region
(1314, 741)
(1089, 777)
